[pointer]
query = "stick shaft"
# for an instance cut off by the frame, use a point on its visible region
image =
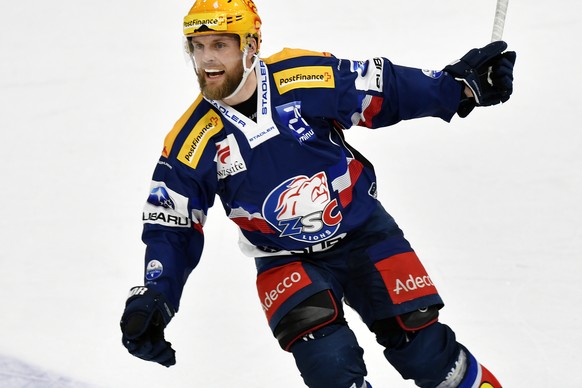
(499, 21)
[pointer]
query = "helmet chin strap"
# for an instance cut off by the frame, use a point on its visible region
(247, 71)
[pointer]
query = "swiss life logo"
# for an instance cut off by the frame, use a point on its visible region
(302, 208)
(229, 160)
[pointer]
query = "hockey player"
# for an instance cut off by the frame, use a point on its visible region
(267, 136)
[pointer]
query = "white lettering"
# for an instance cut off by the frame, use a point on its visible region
(280, 288)
(312, 223)
(322, 246)
(165, 218)
(264, 89)
(412, 283)
(137, 291)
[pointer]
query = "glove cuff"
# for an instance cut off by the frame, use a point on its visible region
(150, 299)
(466, 104)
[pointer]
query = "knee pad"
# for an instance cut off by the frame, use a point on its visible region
(313, 313)
(391, 331)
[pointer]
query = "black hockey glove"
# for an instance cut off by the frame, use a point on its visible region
(142, 325)
(488, 72)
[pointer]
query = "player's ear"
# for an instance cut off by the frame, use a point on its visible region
(251, 46)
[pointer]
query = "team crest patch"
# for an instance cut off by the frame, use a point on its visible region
(301, 208)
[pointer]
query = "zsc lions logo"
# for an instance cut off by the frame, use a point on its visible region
(301, 208)
(160, 197)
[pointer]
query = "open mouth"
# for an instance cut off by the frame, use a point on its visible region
(213, 73)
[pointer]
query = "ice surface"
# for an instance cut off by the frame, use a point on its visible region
(491, 203)
(15, 373)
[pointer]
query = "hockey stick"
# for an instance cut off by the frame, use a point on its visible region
(499, 21)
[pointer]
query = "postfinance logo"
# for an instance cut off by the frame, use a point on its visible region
(304, 77)
(196, 142)
(214, 21)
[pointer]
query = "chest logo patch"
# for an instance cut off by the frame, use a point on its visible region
(301, 208)
(290, 114)
(229, 160)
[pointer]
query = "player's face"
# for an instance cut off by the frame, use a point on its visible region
(219, 64)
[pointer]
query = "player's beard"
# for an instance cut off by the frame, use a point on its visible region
(219, 92)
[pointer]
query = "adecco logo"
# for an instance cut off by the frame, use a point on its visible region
(412, 283)
(280, 289)
(277, 285)
(405, 277)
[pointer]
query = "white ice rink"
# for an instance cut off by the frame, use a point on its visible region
(491, 203)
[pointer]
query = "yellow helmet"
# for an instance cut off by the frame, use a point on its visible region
(238, 17)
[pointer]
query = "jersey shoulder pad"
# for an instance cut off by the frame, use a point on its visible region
(289, 53)
(190, 135)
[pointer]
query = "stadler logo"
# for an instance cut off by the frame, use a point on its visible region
(301, 208)
(282, 287)
(160, 197)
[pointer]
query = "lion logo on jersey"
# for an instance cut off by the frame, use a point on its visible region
(301, 208)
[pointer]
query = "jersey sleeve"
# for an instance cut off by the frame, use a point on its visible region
(373, 93)
(182, 190)
(173, 216)
(377, 93)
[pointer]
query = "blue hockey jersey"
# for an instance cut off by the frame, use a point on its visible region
(288, 180)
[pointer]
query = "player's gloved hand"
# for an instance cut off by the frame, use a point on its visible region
(488, 72)
(142, 325)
